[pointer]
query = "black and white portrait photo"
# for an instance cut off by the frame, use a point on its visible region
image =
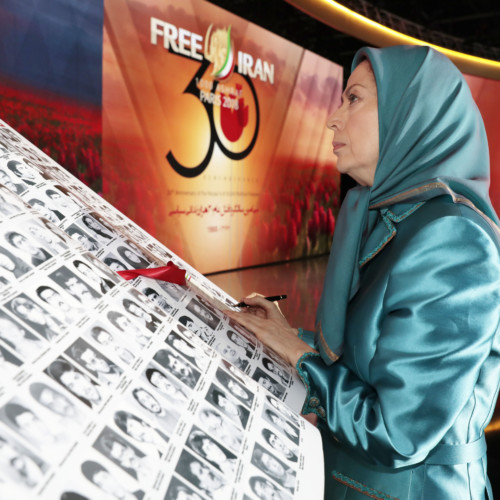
(18, 465)
(212, 451)
(201, 475)
(157, 298)
(268, 382)
(195, 356)
(107, 483)
(167, 386)
(31, 250)
(112, 346)
(83, 238)
(264, 460)
(281, 424)
(25, 173)
(232, 353)
(59, 404)
(226, 405)
(131, 258)
(9, 203)
(149, 305)
(277, 370)
(264, 489)
(178, 490)
(45, 210)
(13, 184)
(153, 407)
(25, 344)
(139, 430)
(28, 423)
(35, 316)
(235, 388)
(52, 239)
(282, 409)
(281, 446)
(203, 314)
(61, 200)
(96, 229)
(178, 366)
(202, 331)
(9, 363)
(102, 283)
(220, 427)
(142, 315)
(93, 361)
(64, 308)
(125, 455)
(241, 341)
(75, 381)
(176, 292)
(75, 286)
(114, 263)
(139, 335)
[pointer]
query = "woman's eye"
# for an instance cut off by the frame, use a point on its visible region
(352, 98)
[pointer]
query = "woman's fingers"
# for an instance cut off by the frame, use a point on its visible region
(258, 302)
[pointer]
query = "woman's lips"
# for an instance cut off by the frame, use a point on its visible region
(337, 145)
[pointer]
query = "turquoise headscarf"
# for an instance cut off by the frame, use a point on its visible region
(431, 142)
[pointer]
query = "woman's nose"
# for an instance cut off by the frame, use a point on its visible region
(335, 121)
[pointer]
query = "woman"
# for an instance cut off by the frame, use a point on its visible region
(165, 386)
(131, 258)
(193, 355)
(221, 429)
(107, 483)
(403, 369)
(140, 430)
(212, 452)
(24, 343)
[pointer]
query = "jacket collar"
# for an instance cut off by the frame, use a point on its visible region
(385, 229)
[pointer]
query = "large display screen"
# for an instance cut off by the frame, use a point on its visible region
(214, 136)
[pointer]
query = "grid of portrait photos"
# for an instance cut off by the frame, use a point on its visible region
(137, 389)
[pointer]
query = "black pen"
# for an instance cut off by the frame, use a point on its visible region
(271, 298)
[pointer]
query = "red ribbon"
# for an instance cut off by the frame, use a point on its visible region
(169, 273)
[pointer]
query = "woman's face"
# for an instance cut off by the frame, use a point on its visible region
(10, 331)
(80, 385)
(6, 263)
(131, 256)
(212, 451)
(237, 390)
(148, 401)
(57, 402)
(29, 310)
(140, 431)
(279, 444)
(162, 383)
(272, 465)
(227, 405)
(355, 127)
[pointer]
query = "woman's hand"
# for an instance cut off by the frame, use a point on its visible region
(265, 320)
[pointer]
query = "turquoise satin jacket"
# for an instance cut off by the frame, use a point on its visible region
(402, 413)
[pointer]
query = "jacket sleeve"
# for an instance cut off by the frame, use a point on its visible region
(439, 318)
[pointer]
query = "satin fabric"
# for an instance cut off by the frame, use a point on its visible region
(421, 364)
(431, 140)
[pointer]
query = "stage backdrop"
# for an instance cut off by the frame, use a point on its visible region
(214, 136)
(251, 119)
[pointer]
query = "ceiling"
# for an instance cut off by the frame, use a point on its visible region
(472, 25)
